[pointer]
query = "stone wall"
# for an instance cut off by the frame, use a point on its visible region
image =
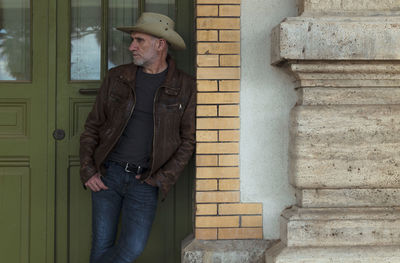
(345, 132)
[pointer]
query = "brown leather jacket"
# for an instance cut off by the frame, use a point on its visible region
(174, 124)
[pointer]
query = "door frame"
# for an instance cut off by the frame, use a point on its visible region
(51, 116)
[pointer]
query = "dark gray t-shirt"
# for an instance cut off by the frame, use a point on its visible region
(136, 141)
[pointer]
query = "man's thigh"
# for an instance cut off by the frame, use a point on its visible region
(106, 208)
(138, 212)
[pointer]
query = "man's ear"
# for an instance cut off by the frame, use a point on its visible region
(162, 43)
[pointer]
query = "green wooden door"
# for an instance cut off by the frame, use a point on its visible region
(87, 45)
(26, 144)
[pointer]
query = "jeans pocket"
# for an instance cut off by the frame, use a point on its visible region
(106, 164)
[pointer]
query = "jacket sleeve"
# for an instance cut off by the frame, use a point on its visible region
(90, 136)
(169, 173)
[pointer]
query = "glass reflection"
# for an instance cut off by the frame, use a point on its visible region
(120, 13)
(166, 7)
(15, 46)
(85, 39)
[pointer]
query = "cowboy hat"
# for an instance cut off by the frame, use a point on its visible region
(159, 26)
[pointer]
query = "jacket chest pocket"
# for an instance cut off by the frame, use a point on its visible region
(170, 115)
(118, 97)
(174, 107)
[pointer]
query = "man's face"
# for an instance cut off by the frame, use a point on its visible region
(143, 48)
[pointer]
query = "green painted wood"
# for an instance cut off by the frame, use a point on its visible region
(14, 218)
(51, 123)
(25, 201)
(73, 205)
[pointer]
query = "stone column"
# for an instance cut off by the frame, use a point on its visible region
(345, 132)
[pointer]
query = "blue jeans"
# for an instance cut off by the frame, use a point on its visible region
(136, 202)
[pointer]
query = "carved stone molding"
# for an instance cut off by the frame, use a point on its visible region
(344, 132)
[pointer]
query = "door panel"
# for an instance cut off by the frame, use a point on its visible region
(14, 202)
(76, 90)
(25, 144)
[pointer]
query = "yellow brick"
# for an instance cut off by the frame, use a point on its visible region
(207, 10)
(229, 35)
(206, 160)
(229, 136)
(229, 10)
(228, 160)
(217, 221)
(217, 148)
(206, 209)
(218, 73)
(218, 1)
(206, 136)
(229, 184)
(229, 110)
(218, 98)
(207, 60)
(206, 234)
(218, 23)
(229, 60)
(206, 185)
(217, 172)
(240, 209)
(207, 35)
(229, 85)
(218, 123)
(240, 233)
(206, 111)
(207, 85)
(218, 48)
(217, 197)
(251, 221)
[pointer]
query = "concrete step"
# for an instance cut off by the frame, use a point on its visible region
(224, 251)
(320, 227)
(346, 254)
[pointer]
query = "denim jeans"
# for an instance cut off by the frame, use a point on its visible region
(136, 202)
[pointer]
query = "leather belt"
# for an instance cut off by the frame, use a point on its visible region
(132, 168)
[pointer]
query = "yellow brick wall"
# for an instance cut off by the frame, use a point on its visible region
(219, 212)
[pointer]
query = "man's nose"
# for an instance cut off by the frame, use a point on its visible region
(132, 46)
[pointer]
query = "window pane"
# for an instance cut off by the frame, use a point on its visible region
(121, 13)
(15, 46)
(166, 7)
(85, 39)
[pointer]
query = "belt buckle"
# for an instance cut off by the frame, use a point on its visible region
(126, 168)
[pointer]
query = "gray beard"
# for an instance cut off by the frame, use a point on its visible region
(138, 62)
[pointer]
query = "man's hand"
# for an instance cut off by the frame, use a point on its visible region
(95, 183)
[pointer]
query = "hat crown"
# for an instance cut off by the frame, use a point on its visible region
(154, 18)
(157, 25)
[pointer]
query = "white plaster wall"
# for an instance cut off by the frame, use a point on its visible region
(267, 95)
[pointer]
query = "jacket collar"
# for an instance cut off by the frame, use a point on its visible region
(171, 80)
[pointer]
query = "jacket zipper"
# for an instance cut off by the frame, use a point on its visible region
(126, 123)
(154, 128)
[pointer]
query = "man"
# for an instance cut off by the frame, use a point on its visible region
(137, 139)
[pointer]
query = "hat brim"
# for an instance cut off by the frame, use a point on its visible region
(172, 37)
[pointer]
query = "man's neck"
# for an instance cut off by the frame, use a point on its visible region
(156, 67)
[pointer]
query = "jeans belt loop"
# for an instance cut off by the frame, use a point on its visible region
(126, 168)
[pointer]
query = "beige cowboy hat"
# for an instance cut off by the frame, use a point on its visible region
(159, 26)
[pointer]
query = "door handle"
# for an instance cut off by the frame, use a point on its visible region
(59, 134)
(88, 91)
